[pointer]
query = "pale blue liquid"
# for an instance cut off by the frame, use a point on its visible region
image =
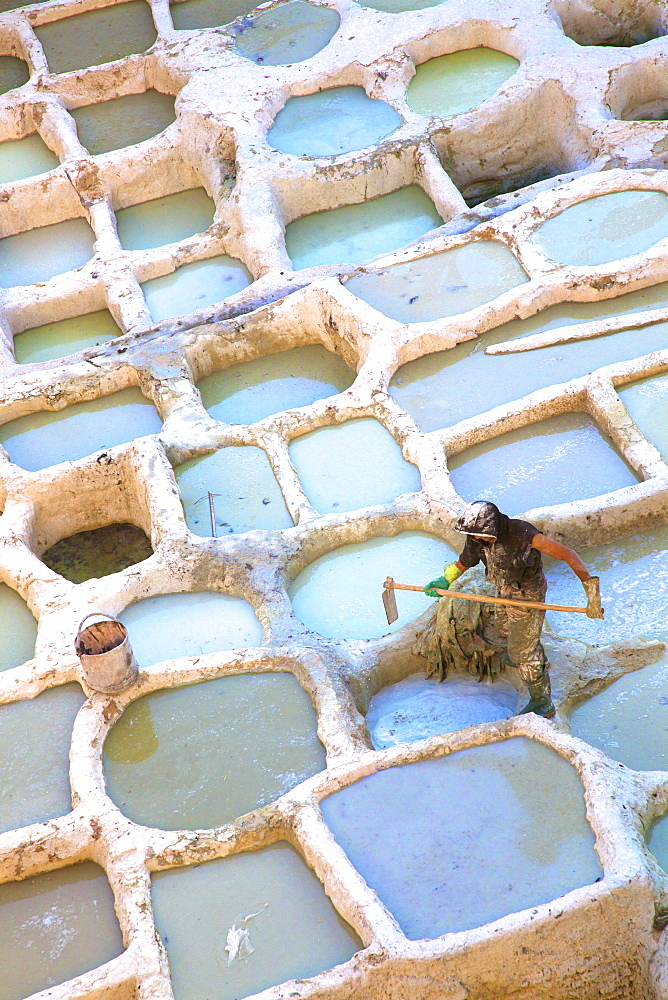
(245, 393)
(47, 438)
(296, 934)
(600, 230)
(443, 284)
(289, 33)
(26, 157)
(66, 336)
(357, 232)
(440, 389)
(647, 402)
(553, 461)
(195, 286)
(352, 465)
(426, 836)
(35, 740)
(173, 625)
(165, 220)
(246, 494)
(333, 121)
(40, 254)
(18, 629)
(339, 594)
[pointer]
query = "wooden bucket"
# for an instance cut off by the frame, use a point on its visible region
(106, 656)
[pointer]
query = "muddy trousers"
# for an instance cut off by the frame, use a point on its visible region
(520, 628)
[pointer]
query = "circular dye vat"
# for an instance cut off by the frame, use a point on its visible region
(173, 625)
(339, 594)
(418, 707)
(198, 756)
(289, 33)
(459, 81)
(609, 227)
(333, 121)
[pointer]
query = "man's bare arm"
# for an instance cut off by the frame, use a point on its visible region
(559, 551)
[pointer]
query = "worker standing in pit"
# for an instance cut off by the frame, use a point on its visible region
(511, 552)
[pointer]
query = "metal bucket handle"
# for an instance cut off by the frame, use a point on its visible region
(97, 614)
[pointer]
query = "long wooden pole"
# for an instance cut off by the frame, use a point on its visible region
(391, 585)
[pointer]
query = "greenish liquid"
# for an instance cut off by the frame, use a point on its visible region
(97, 36)
(40, 254)
(398, 6)
(199, 756)
(13, 73)
(339, 594)
(173, 625)
(91, 554)
(246, 494)
(647, 402)
(609, 227)
(293, 929)
(123, 121)
(6, 5)
(18, 629)
(455, 83)
(289, 33)
(209, 13)
(195, 286)
(357, 232)
(253, 390)
(20, 158)
(417, 707)
(426, 836)
(333, 121)
(66, 336)
(443, 284)
(54, 927)
(440, 389)
(45, 438)
(541, 464)
(352, 465)
(34, 757)
(165, 220)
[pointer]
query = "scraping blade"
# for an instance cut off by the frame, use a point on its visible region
(390, 601)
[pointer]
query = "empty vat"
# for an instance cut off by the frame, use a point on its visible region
(39, 254)
(246, 494)
(452, 843)
(47, 438)
(440, 389)
(165, 220)
(288, 33)
(65, 336)
(355, 233)
(553, 461)
(123, 121)
(198, 756)
(351, 465)
(97, 36)
(600, 230)
(245, 393)
(92, 554)
(419, 707)
(634, 590)
(459, 81)
(26, 157)
(339, 594)
(333, 121)
(443, 284)
(13, 73)
(18, 629)
(173, 625)
(35, 740)
(54, 927)
(195, 286)
(209, 13)
(629, 720)
(267, 900)
(647, 402)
